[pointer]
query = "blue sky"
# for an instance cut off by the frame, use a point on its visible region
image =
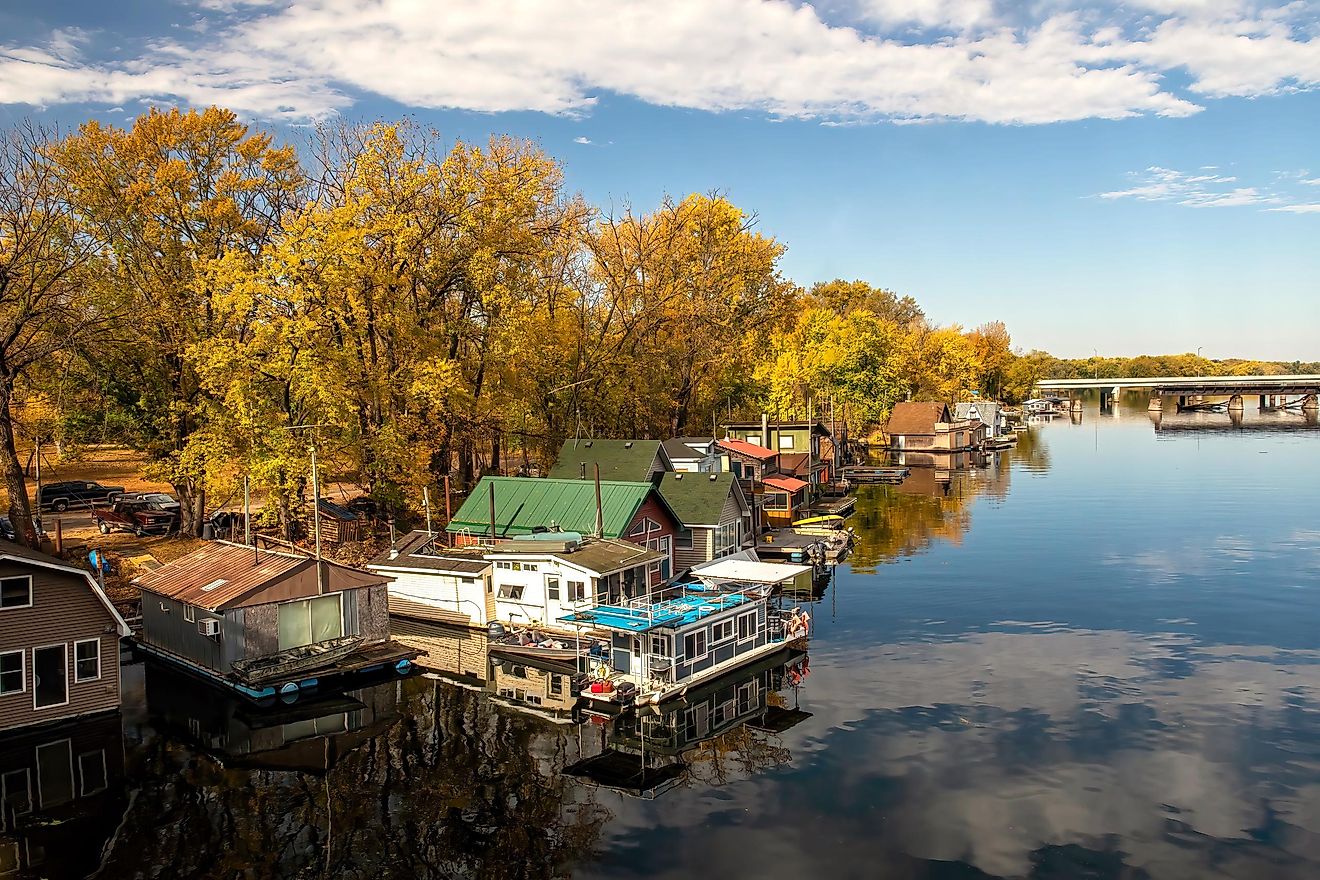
(1134, 178)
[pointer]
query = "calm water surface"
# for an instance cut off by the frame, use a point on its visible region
(1098, 657)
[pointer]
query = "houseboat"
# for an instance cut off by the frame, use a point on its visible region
(262, 622)
(661, 648)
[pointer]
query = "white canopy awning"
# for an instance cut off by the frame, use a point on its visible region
(749, 570)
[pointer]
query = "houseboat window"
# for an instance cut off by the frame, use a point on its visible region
(721, 631)
(754, 439)
(87, 660)
(517, 566)
(16, 792)
(552, 588)
(50, 676)
(577, 591)
(534, 699)
(55, 773)
(16, 592)
(556, 685)
(11, 672)
(736, 468)
(190, 613)
(639, 528)
(697, 721)
(309, 621)
(785, 441)
(531, 566)
(747, 626)
(660, 646)
(776, 501)
(725, 712)
(694, 645)
(684, 541)
(504, 565)
(91, 772)
(726, 539)
(511, 591)
(519, 671)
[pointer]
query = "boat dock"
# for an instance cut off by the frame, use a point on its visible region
(861, 473)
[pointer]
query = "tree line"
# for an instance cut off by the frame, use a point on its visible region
(414, 309)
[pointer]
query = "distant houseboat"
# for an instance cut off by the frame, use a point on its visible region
(659, 649)
(264, 623)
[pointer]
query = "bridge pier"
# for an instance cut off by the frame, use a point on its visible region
(1310, 403)
(1156, 404)
(1235, 404)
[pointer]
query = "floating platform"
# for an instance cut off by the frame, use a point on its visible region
(834, 506)
(860, 473)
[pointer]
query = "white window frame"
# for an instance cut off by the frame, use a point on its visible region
(31, 598)
(520, 588)
(73, 780)
(577, 591)
(22, 672)
(67, 670)
(4, 793)
(715, 638)
(552, 588)
(556, 685)
(684, 539)
(189, 613)
(82, 775)
(705, 645)
(785, 441)
(76, 678)
(751, 637)
(666, 644)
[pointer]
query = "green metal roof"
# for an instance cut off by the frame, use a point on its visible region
(696, 499)
(618, 459)
(522, 503)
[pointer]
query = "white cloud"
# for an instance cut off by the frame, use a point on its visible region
(581, 140)
(1157, 184)
(1299, 209)
(903, 60)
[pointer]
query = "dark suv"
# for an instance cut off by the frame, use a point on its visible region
(77, 494)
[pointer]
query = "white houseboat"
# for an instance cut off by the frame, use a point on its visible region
(659, 648)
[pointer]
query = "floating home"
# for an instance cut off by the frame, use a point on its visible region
(520, 507)
(659, 649)
(59, 641)
(694, 455)
(540, 579)
(263, 622)
(794, 438)
(715, 518)
(931, 428)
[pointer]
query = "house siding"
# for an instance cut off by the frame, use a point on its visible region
(64, 610)
(655, 511)
(457, 650)
(700, 552)
(164, 627)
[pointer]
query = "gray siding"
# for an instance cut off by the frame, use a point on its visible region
(700, 552)
(684, 669)
(64, 610)
(164, 627)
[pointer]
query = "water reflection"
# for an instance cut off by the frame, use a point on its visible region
(1098, 660)
(727, 729)
(61, 792)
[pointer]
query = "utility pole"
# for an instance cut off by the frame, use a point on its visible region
(316, 521)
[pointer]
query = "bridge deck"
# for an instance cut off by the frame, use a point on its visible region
(1308, 384)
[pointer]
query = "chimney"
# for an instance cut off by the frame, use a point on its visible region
(765, 430)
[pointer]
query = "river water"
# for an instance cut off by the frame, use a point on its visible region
(1096, 657)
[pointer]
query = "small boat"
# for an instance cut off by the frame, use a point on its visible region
(823, 526)
(295, 661)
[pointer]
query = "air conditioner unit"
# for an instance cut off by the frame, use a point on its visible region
(209, 627)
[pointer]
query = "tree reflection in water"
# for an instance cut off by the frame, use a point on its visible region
(406, 778)
(933, 503)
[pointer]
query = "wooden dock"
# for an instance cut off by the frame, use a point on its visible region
(860, 473)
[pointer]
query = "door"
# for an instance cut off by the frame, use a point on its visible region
(50, 676)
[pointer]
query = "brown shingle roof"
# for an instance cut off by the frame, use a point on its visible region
(222, 575)
(916, 418)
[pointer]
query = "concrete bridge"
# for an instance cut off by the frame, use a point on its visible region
(1191, 391)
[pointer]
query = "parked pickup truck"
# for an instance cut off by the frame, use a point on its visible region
(134, 515)
(77, 494)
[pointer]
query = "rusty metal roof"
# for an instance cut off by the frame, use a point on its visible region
(221, 575)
